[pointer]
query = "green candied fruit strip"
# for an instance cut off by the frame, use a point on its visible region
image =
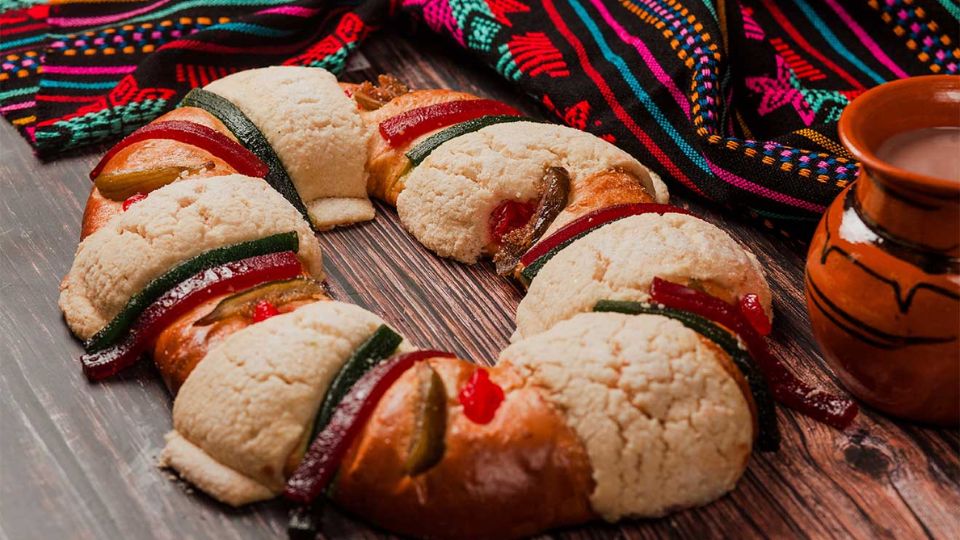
(251, 137)
(420, 152)
(377, 348)
(769, 436)
(119, 325)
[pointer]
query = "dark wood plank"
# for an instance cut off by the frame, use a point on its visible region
(77, 460)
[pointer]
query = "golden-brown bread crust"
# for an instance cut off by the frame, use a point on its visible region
(386, 164)
(98, 211)
(524, 472)
(155, 153)
(609, 187)
(182, 345)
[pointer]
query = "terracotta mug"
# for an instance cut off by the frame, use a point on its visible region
(883, 271)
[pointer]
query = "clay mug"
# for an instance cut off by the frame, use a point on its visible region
(883, 271)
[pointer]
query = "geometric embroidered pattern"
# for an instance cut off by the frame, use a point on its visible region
(735, 101)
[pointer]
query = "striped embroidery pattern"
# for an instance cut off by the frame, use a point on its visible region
(694, 48)
(802, 68)
(130, 38)
(736, 101)
(86, 87)
(531, 54)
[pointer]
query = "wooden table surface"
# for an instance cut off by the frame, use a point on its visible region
(77, 460)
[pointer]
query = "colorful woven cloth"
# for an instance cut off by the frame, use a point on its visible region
(736, 101)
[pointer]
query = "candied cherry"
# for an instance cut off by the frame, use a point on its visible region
(263, 310)
(133, 199)
(480, 397)
(507, 216)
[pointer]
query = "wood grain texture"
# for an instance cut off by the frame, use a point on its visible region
(77, 459)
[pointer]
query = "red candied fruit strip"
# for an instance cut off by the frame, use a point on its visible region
(233, 153)
(786, 387)
(190, 293)
(409, 125)
(752, 310)
(325, 454)
(507, 216)
(592, 220)
(480, 397)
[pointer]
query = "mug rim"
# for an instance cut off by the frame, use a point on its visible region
(851, 121)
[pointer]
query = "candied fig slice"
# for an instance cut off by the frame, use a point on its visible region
(555, 193)
(119, 186)
(173, 303)
(276, 293)
(120, 324)
(325, 454)
(427, 443)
